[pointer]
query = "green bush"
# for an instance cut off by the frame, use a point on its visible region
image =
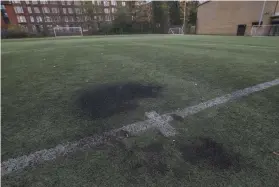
(14, 31)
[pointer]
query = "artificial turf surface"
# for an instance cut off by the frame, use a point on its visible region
(42, 79)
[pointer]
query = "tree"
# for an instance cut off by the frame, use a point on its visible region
(174, 13)
(160, 12)
(123, 20)
(91, 19)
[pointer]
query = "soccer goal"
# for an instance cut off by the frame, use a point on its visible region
(175, 30)
(67, 31)
(265, 30)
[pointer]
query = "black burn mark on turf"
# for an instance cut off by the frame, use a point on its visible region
(106, 100)
(206, 151)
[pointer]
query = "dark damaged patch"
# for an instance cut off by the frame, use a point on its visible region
(149, 159)
(207, 151)
(106, 100)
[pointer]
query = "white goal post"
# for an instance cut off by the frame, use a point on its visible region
(265, 30)
(67, 31)
(175, 30)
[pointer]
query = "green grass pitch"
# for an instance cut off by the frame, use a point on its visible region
(41, 78)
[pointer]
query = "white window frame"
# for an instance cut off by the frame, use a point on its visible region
(21, 19)
(69, 2)
(106, 10)
(46, 10)
(18, 9)
(48, 19)
(64, 10)
(37, 8)
(39, 19)
(70, 11)
(29, 9)
(15, 2)
(114, 3)
(27, 2)
(43, 2)
(56, 10)
(123, 3)
(66, 19)
(106, 3)
(77, 3)
(32, 20)
(78, 10)
(34, 2)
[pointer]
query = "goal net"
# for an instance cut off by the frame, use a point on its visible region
(175, 30)
(265, 30)
(67, 31)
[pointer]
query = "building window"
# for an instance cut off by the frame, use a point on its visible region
(70, 10)
(100, 18)
(106, 3)
(78, 10)
(31, 19)
(113, 3)
(18, 9)
(34, 2)
(39, 19)
(63, 2)
(107, 17)
(47, 19)
(65, 10)
(71, 18)
(29, 9)
(53, 2)
(66, 19)
(106, 10)
(56, 18)
(27, 2)
(69, 2)
(123, 3)
(77, 3)
(113, 10)
(43, 2)
(21, 19)
(54, 10)
(15, 2)
(99, 2)
(46, 10)
(95, 18)
(36, 10)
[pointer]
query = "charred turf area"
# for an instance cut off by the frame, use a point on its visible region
(102, 101)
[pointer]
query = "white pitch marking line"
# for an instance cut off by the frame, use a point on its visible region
(156, 121)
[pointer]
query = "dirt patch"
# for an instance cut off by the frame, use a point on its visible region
(207, 152)
(106, 100)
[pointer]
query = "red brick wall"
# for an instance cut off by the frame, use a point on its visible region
(11, 14)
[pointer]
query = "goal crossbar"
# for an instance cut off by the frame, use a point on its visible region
(67, 31)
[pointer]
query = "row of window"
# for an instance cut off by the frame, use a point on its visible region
(106, 3)
(22, 19)
(19, 9)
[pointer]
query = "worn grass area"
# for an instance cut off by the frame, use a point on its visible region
(41, 80)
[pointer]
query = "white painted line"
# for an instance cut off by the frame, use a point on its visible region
(161, 123)
(156, 121)
(223, 99)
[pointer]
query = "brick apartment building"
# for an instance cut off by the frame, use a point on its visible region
(235, 17)
(41, 16)
(8, 15)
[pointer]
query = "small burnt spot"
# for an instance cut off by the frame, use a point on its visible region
(206, 150)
